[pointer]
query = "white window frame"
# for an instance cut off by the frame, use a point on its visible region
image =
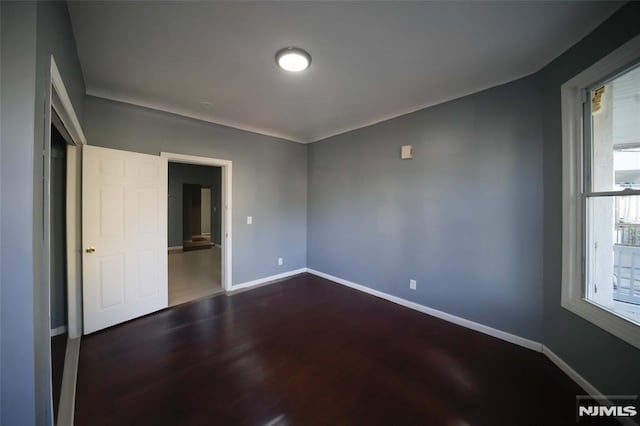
(573, 288)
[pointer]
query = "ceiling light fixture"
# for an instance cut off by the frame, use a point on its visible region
(293, 59)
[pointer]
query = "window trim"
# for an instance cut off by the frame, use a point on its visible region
(573, 94)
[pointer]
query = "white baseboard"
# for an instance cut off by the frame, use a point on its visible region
(573, 374)
(178, 248)
(521, 341)
(512, 338)
(583, 383)
(264, 280)
(58, 330)
(66, 406)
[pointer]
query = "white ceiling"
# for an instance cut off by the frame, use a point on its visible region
(371, 60)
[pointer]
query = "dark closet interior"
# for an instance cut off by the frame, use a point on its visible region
(58, 290)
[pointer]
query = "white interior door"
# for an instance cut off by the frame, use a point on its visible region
(124, 234)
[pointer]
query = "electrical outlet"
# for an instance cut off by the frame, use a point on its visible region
(412, 284)
(280, 262)
(249, 220)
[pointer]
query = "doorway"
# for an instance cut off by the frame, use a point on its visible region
(58, 244)
(194, 232)
(226, 209)
(58, 327)
(199, 210)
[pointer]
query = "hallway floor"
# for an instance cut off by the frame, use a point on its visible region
(194, 275)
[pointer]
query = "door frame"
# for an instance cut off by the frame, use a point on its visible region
(57, 99)
(60, 102)
(226, 237)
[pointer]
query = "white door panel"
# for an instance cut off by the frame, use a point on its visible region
(124, 200)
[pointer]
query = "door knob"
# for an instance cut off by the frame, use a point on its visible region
(90, 249)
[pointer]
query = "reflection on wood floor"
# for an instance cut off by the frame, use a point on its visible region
(306, 351)
(193, 275)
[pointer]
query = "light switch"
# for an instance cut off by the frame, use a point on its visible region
(406, 152)
(249, 220)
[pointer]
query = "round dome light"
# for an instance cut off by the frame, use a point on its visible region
(293, 59)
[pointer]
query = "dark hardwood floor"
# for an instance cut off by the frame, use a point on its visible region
(306, 351)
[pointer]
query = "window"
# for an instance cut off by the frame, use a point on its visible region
(601, 193)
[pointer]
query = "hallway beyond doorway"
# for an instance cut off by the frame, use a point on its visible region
(193, 275)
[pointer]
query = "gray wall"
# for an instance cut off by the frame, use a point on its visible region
(2, 82)
(54, 37)
(17, 375)
(31, 33)
(463, 217)
(475, 217)
(482, 152)
(611, 365)
(269, 178)
(205, 176)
